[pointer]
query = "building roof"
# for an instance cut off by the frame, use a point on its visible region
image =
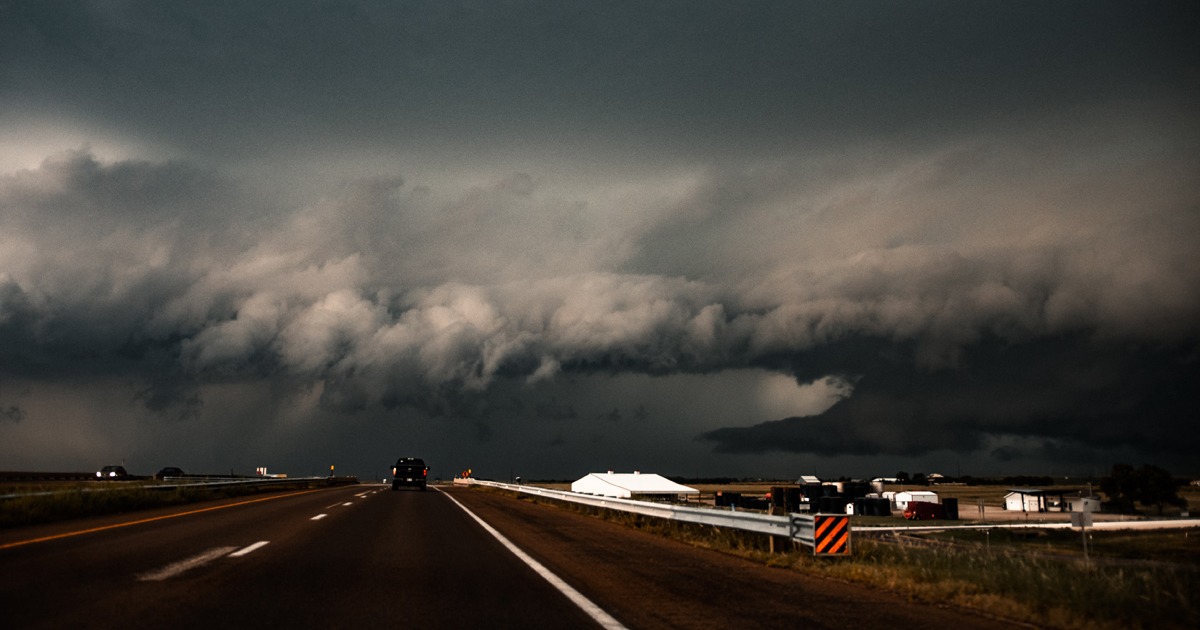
(625, 485)
(1047, 492)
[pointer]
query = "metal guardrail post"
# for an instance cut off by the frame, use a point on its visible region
(800, 528)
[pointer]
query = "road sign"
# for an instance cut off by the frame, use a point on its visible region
(827, 534)
(831, 535)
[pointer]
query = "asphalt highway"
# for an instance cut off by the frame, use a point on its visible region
(365, 556)
(350, 557)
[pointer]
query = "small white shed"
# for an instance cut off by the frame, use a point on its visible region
(1025, 500)
(628, 485)
(1080, 504)
(902, 499)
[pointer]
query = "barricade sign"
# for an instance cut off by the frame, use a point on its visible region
(827, 534)
(831, 535)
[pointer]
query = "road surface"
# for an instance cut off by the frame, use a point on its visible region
(364, 556)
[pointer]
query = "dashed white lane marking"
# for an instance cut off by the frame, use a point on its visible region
(318, 517)
(347, 503)
(246, 550)
(176, 568)
(595, 612)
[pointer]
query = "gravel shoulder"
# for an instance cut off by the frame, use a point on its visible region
(650, 582)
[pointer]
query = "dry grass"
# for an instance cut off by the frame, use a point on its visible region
(1024, 580)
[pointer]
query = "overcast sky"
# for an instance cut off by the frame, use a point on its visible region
(552, 238)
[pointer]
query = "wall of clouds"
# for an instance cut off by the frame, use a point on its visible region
(890, 276)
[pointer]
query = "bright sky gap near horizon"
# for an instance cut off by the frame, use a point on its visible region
(553, 238)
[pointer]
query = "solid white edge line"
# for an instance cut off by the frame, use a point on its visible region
(242, 552)
(595, 612)
(318, 517)
(176, 568)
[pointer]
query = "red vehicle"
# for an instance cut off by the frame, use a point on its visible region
(923, 510)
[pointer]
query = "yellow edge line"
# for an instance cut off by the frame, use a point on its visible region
(148, 520)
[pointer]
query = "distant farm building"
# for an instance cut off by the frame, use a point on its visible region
(902, 499)
(1024, 500)
(1080, 503)
(630, 485)
(1039, 500)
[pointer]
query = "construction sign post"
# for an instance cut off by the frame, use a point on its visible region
(827, 534)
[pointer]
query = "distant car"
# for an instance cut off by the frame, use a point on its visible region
(169, 471)
(409, 471)
(112, 472)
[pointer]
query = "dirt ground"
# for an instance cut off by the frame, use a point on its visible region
(650, 582)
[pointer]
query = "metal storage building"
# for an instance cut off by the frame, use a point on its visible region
(1049, 500)
(1025, 500)
(902, 499)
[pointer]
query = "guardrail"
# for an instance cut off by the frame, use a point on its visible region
(814, 530)
(830, 537)
(216, 482)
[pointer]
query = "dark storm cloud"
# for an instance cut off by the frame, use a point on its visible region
(668, 76)
(971, 225)
(1062, 389)
(94, 250)
(12, 414)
